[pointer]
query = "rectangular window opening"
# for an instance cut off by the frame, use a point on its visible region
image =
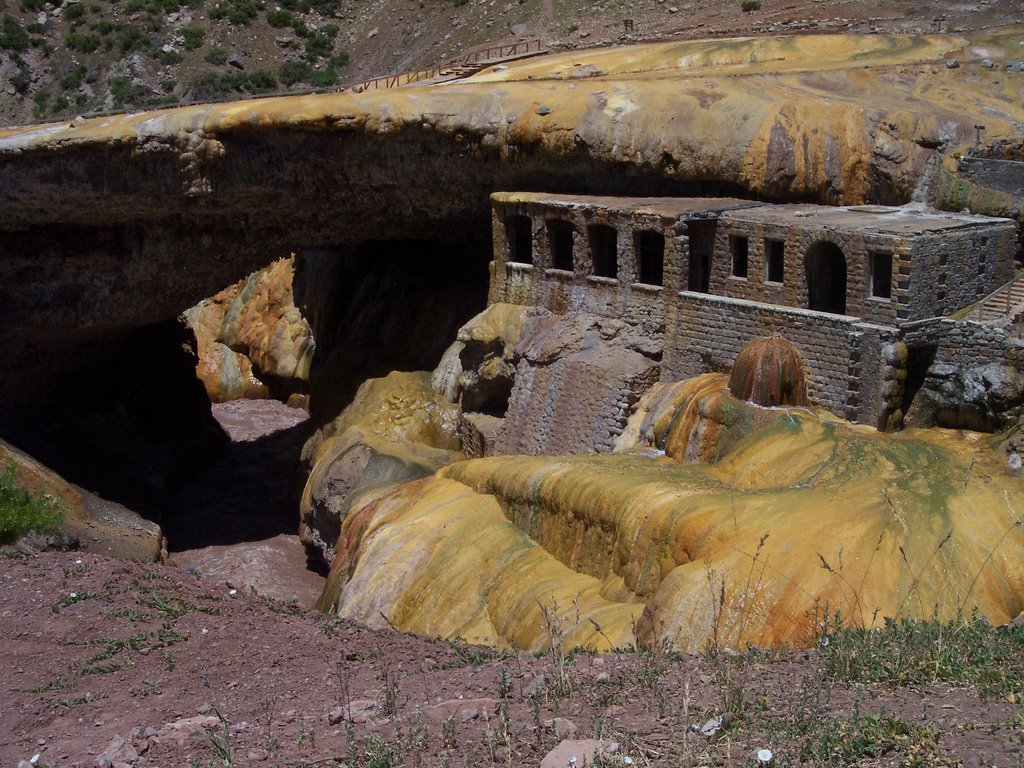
(881, 275)
(560, 238)
(775, 259)
(740, 249)
(650, 258)
(604, 250)
(519, 232)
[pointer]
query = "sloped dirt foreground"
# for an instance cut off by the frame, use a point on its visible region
(113, 663)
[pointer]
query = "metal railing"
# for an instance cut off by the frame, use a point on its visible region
(473, 59)
(501, 52)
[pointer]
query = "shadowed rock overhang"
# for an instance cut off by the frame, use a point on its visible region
(111, 223)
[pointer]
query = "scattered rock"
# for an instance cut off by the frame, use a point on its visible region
(542, 111)
(464, 710)
(583, 750)
(952, 63)
(235, 61)
(988, 63)
(119, 754)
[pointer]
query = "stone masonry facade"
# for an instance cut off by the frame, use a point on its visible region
(704, 276)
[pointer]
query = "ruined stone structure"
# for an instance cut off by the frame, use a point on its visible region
(864, 292)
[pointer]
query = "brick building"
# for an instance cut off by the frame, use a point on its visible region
(865, 292)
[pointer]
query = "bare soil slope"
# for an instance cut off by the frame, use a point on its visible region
(151, 665)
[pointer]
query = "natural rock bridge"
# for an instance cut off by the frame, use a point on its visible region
(113, 224)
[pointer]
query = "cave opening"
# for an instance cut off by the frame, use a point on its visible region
(374, 307)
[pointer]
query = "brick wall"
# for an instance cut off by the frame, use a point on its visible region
(954, 269)
(539, 284)
(842, 354)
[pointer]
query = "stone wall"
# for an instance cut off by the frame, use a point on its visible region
(621, 297)
(793, 290)
(843, 355)
(954, 269)
(577, 378)
(975, 376)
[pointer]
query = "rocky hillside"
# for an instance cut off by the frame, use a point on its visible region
(86, 56)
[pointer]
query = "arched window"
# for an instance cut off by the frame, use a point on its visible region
(519, 233)
(604, 250)
(826, 278)
(560, 239)
(650, 257)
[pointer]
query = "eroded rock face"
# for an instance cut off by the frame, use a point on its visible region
(93, 524)
(251, 339)
(577, 377)
(721, 555)
(987, 398)
(396, 430)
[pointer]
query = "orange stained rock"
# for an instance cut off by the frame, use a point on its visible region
(815, 115)
(802, 515)
(769, 372)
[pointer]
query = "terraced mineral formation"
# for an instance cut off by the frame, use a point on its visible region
(804, 515)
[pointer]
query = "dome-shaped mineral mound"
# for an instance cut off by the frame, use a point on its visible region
(769, 372)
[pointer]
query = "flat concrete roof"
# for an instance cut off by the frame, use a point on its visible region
(891, 220)
(672, 207)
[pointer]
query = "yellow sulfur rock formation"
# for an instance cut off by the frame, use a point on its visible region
(801, 515)
(251, 333)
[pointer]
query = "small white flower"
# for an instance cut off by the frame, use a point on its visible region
(233, 592)
(627, 760)
(764, 756)
(205, 631)
(35, 758)
(78, 562)
(73, 594)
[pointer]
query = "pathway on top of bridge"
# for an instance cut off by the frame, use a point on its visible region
(468, 64)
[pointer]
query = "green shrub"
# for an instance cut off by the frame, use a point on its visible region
(73, 79)
(237, 11)
(846, 742)
(74, 13)
(925, 652)
(82, 43)
(105, 27)
(12, 36)
(279, 19)
(32, 5)
(35, 28)
(131, 39)
(216, 55)
(750, 5)
(318, 46)
(20, 82)
(124, 91)
(167, 57)
(340, 60)
(324, 78)
(292, 72)
(22, 511)
(213, 84)
(194, 35)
